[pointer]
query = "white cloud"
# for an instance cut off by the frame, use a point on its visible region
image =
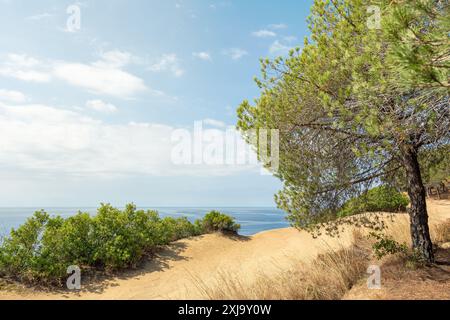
(40, 16)
(105, 76)
(290, 38)
(264, 34)
(40, 139)
(202, 55)
(278, 26)
(214, 123)
(168, 62)
(101, 106)
(220, 4)
(24, 67)
(47, 139)
(12, 96)
(278, 48)
(115, 59)
(100, 80)
(235, 53)
(25, 75)
(21, 61)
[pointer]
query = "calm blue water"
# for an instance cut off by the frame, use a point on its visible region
(252, 220)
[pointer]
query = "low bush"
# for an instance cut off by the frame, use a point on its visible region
(180, 228)
(386, 245)
(41, 250)
(219, 222)
(19, 253)
(380, 199)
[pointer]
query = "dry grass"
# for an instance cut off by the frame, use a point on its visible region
(332, 274)
(441, 232)
(403, 280)
(328, 277)
(400, 231)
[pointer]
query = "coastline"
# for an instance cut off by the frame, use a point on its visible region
(252, 219)
(180, 270)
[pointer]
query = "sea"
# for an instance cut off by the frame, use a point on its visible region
(252, 219)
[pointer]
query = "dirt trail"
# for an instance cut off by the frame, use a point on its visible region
(175, 273)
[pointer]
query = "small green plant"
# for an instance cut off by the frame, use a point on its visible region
(219, 222)
(415, 260)
(380, 199)
(386, 245)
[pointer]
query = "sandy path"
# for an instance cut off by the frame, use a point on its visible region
(175, 273)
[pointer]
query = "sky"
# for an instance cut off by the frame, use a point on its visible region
(92, 92)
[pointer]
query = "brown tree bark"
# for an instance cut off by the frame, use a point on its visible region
(420, 232)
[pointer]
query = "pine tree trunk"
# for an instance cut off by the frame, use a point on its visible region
(420, 232)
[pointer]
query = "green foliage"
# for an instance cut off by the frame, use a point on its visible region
(435, 164)
(355, 106)
(219, 222)
(380, 199)
(20, 252)
(41, 250)
(386, 245)
(175, 229)
(121, 238)
(418, 31)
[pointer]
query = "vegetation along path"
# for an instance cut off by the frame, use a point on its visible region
(178, 270)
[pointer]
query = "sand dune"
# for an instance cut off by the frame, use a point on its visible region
(176, 271)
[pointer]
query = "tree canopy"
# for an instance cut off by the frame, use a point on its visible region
(356, 105)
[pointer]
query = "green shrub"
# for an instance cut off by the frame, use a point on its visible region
(44, 247)
(115, 238)
(385, 245)
(179, 228)
(380, 199)
(65, 242)
(20, 251)
(219, 222)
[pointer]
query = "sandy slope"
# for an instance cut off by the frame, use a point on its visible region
(176, 272)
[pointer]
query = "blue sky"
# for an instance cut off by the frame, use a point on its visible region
(86, 116)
